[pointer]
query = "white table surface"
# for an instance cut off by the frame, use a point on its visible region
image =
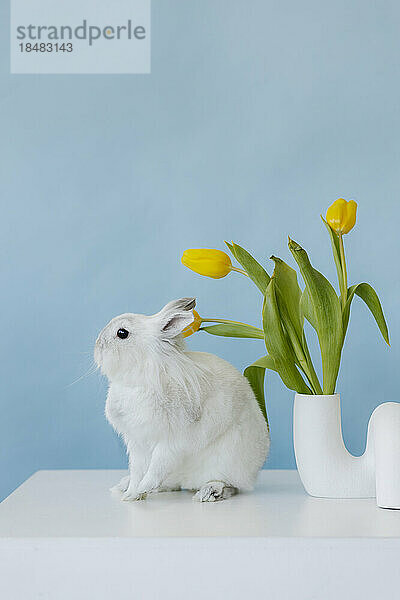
(276, 540)
(79, 504)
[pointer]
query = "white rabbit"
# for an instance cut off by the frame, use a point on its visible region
(188, 419)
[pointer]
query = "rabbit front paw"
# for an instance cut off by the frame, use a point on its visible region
(122, 486)
(149, 485)
(132, 494)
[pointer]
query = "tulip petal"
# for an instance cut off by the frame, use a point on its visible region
(194, 326)
(335, 214)
(341, 215)
(207, 262)
(350, 216)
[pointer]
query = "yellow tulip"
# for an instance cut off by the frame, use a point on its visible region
(341, 215)
(195, 326)
(211, 263)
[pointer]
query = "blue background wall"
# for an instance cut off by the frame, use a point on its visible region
(257, 115)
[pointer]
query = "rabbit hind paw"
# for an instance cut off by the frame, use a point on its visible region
(214, 491)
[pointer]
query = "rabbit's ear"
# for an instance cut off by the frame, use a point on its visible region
(175, 316)
(179, 305)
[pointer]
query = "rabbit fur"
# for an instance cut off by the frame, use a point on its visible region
(188, 419)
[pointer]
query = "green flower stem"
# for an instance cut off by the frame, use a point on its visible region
(242, 271)
(313, 377)
(344, 270)
(304, 358)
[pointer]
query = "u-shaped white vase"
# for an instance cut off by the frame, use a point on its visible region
(328, 470)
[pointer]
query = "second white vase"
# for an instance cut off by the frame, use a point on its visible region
(328, 470)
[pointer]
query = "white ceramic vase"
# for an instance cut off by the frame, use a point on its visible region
(328, 470)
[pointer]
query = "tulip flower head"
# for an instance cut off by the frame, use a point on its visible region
(341, 215)
(207, 262)
(193, 327)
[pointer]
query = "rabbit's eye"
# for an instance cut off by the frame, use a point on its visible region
(122, 334)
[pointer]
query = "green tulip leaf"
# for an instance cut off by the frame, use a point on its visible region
(278, 345)
(327, 314)
(307, 308)
(336, 252)
(265, 362)
(367, 293)
(253, 268)
(255, 375)
(234, 330)
(288, 295)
